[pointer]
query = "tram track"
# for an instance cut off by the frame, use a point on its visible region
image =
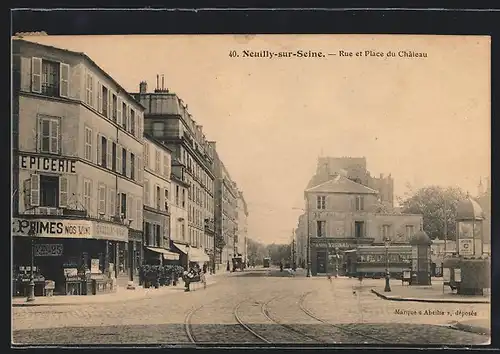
(350, 332)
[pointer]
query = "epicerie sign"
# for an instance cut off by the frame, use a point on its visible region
(47, 164)
(52, 228)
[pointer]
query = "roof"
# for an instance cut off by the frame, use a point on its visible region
(341, 184)
(85, 57)
(469, 209)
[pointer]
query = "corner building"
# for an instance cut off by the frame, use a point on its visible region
(78, 173)
(168, 121)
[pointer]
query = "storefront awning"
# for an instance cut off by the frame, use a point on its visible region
(181, 247)
(165, 253)
(197, 255)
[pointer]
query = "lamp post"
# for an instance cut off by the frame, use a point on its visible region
(308, 251)
(336, 262)
(387, 273)
(31, 293)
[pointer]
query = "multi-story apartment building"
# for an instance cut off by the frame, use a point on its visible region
(242, 233)
(226, 213)
(157, 189)
(77, 176)
(341, 214)
(168, 121)
(178, 207)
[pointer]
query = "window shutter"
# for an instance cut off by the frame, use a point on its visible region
(119, 204)
(36, 74)
(139, 169)
(130, 207)
(27, 193)
(63, 191)
(112, 204)
(128, 165)
(35, 190)
(99, 97)
(54, 136)
(110, 104)
(64, 80)
(119, 111)
(165, 166)
(99, 148)
(109, 160)
(118, 158)
(146, 192)
(138, 206)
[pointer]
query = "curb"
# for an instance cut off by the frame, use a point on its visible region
(447, 301)
(147, 296)
(471, 328)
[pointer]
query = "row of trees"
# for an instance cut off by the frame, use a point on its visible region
(257, 251)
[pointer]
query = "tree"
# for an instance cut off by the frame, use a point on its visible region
(279, 252)
(383, 208)
(430, 202)
(256, 251)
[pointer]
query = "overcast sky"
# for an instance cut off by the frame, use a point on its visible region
(425, 120)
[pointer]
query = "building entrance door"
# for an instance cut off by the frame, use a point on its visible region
(321, 260)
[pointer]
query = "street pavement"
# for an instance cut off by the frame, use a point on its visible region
(255, 306)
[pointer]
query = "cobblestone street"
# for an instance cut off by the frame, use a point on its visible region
(253, 307)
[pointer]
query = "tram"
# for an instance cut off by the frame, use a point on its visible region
(267, 262)
(370, 261)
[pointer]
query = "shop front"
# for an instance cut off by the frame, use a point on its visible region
(328, 254)
(76, 254)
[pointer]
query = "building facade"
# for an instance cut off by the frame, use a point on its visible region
(168, 121)
(226, 211)
(242, 233)
(77, 176)
(157, 190)
(341, 216)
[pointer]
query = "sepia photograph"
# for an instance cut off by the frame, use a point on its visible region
(251, 190)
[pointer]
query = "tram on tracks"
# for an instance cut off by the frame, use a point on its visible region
(371, 261)
(267, 262)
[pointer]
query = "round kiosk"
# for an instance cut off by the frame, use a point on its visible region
(468, 270)
(420, 259)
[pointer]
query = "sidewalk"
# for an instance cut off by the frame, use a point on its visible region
(431, 293)
(121, 295)
(478, 326)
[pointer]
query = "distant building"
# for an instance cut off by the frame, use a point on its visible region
(226, 209)
(342, 215)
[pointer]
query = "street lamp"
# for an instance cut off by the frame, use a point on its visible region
(31, 292)
(387, 273)
(336, 262)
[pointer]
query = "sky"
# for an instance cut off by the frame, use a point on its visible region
(424, 120)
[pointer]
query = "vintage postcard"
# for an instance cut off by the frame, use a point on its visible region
(251, 189)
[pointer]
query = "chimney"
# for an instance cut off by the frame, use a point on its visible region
(162, 82)
(143, 87)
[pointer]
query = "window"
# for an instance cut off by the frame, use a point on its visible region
(102, 199)
(89, 88)
(50, 78)
(320, 228)
(113, 156)
(132, 166)
(157, 161)
(157, 197)
(125, 116)
(360, 203)
(115, 108)
(88, 144)
(147, 234)
(50, 129)
(124, 162)
(410, 231)
(146, 155)
(132, 121)
(183, 231)
(321, 202)
(183, 197)
(112, 202)
(48, 191)
(386, 229)
(146, 192)
(177, 195)
(118, 158)
(123, 204)
(119, 111)
(139, 169)
(158, 235)
(138, 206)
(104, 151)
(358, 229)
(105, 102)
(87, 194)
(158, 129)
